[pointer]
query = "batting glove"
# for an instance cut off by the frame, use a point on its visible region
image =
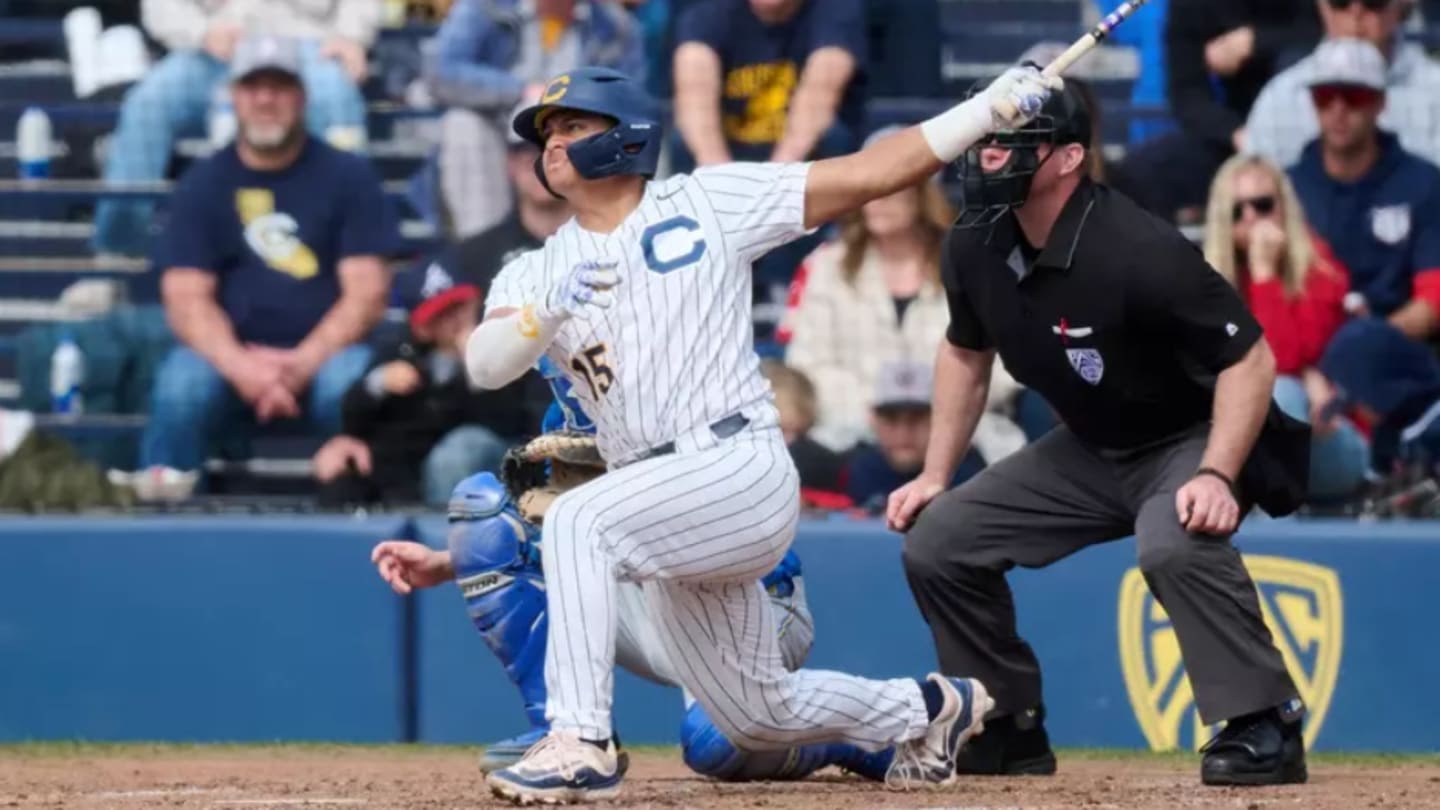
(1019, 94)
(588, 284)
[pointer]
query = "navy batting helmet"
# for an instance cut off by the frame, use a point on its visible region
(987, 196)
(631, 146)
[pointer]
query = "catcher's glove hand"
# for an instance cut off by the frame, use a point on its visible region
(537, 472)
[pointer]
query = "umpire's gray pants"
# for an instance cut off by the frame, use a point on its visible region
(1054, 498)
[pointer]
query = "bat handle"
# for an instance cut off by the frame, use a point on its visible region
(1006, 109)
(1080, 47)
(1058, 66)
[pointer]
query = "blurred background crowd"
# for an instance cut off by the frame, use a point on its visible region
(188, 322)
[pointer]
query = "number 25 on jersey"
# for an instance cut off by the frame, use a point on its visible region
(592, 364)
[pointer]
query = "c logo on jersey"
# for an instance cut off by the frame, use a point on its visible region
(1302, 608)
(672, 244)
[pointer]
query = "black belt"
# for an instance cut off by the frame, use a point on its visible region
(724, 429)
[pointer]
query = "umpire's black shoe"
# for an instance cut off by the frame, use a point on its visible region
(1013, 745)
(1257, 749)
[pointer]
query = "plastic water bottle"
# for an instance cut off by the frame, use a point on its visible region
(32, 144)
(67, 375)
(83, 28)
(222, 117)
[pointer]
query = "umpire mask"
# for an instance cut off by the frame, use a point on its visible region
(988, 196)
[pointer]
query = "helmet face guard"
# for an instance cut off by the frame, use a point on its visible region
(632, 149)
(988, 196)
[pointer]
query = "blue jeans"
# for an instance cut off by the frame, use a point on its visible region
(172, 101)
(191, 406)
(1337, 462)
(462, 452)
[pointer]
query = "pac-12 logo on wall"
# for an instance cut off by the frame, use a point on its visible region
(1302, 607)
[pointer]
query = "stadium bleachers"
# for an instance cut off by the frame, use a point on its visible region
(45, 230)
(45, 233)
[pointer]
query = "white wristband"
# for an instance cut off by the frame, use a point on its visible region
(957, 129)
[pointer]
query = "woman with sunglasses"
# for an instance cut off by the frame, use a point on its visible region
(1257, 238)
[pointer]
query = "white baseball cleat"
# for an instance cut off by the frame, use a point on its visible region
(929, 761)
(560, 769)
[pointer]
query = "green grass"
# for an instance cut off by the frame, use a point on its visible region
(96, 749)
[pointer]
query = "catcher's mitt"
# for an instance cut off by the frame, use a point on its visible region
(537, 472)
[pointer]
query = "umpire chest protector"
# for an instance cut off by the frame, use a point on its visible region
(1118, 321)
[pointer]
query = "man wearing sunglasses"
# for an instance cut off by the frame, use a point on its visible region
(1375, 203)
(1283, 119)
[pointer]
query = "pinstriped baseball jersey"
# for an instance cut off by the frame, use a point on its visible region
(676, 350)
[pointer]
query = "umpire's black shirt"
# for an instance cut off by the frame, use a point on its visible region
(1118, 321)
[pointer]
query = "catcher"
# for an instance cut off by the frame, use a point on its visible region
(493, 556)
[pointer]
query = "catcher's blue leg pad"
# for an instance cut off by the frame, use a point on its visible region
(498, 571)
(707, 752)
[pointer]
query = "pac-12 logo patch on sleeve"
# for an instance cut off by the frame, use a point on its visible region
(1302, 606)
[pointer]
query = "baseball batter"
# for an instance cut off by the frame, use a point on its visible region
(493, 555)
(643, 300)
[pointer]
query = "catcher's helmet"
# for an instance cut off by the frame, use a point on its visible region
(987, 196)
(631, 146)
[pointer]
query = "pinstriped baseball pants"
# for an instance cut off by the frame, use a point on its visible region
(697, 529)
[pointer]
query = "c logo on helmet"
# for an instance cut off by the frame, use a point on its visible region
(557, 89)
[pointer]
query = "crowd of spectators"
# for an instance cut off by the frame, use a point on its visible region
(1302, 135)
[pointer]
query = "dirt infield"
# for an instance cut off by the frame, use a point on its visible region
(88, 778)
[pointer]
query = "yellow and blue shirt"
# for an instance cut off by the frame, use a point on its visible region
(761, 64)
(275, 238)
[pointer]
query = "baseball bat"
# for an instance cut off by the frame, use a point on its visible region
(1084, 44)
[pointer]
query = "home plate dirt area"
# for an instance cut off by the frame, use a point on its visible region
(88, 777)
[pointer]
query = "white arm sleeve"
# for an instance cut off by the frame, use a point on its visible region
(504, 347)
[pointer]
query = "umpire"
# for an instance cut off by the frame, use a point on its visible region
(1163, 385)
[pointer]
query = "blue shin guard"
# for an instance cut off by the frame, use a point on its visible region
(498, 571)
(708, 753)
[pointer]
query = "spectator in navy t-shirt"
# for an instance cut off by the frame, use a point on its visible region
(1376, 204)
(274, 271)
(769, 79)
(774, 80)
